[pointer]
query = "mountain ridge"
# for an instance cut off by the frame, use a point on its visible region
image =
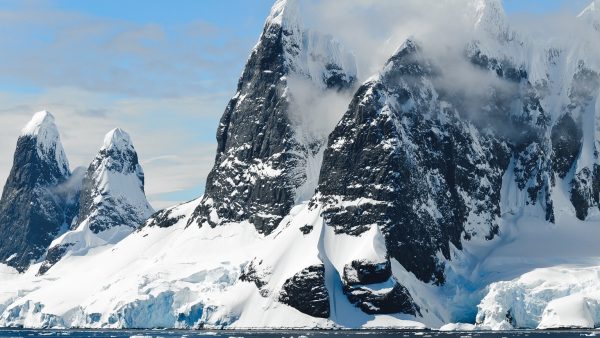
(438, 198)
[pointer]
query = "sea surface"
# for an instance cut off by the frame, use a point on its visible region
(288, 334)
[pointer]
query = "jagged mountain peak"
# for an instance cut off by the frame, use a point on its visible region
(112, 201)
(43, 129)
(34, 205)
(409, 46)
(593, 7)
(306, 52)
(284, 13)
(113, 191)
(117, 138)
(489, 19)
(268, 152)
(118, 154)
(40, 122)
(591, 14)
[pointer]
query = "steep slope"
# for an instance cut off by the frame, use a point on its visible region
(34, 207)
(444, 168)
(591, 15)
(190, 277)
(263, 155)
(112, 202)
(403, 158)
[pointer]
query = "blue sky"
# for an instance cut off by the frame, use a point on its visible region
(162, 70)
(543, 6)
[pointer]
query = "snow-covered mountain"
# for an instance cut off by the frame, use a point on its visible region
(34, 207)
(112, 202)
(266, 160)
(457, 186)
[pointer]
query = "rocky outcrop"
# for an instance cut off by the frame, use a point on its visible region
(372, 288)
(306, 292)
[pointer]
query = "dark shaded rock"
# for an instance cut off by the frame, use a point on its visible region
(363, 272)
(163, 219)
(566, 144)
(306, 229)
(372, 288)
(396, 300)
(260, 163)
(585, 191)
(53, 255)
(307, 293)
(34, 206)
(412, 169)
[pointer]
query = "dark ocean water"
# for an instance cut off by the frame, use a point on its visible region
(287, 334)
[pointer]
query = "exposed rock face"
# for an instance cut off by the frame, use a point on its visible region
(261, 159)
(372, 288)
(255, 272)
(364, 272)
(112, 201)
(412, 155)
(53, 256)
(566, 143)
(386, 298)
(405, 160)
(163, 219)
(576, 139)
(35, 204)
(306, 292)
(113, 187)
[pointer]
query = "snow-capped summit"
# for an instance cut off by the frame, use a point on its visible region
(262, 159)
(112, 201)
(591, 14)
(285, 13)
(117, 138)
(34, 206)
(114, 179)
(308, 53)
(490, 17)
(592, 9)
(43, 128)
(40, 120)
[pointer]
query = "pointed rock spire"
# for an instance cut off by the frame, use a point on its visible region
(34, 207)
(261, 164)
(44, 131)
(112, 201)
(117, 138)
(113, 187)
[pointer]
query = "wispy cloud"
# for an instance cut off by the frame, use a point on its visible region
(166, 84)
(74, 49)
